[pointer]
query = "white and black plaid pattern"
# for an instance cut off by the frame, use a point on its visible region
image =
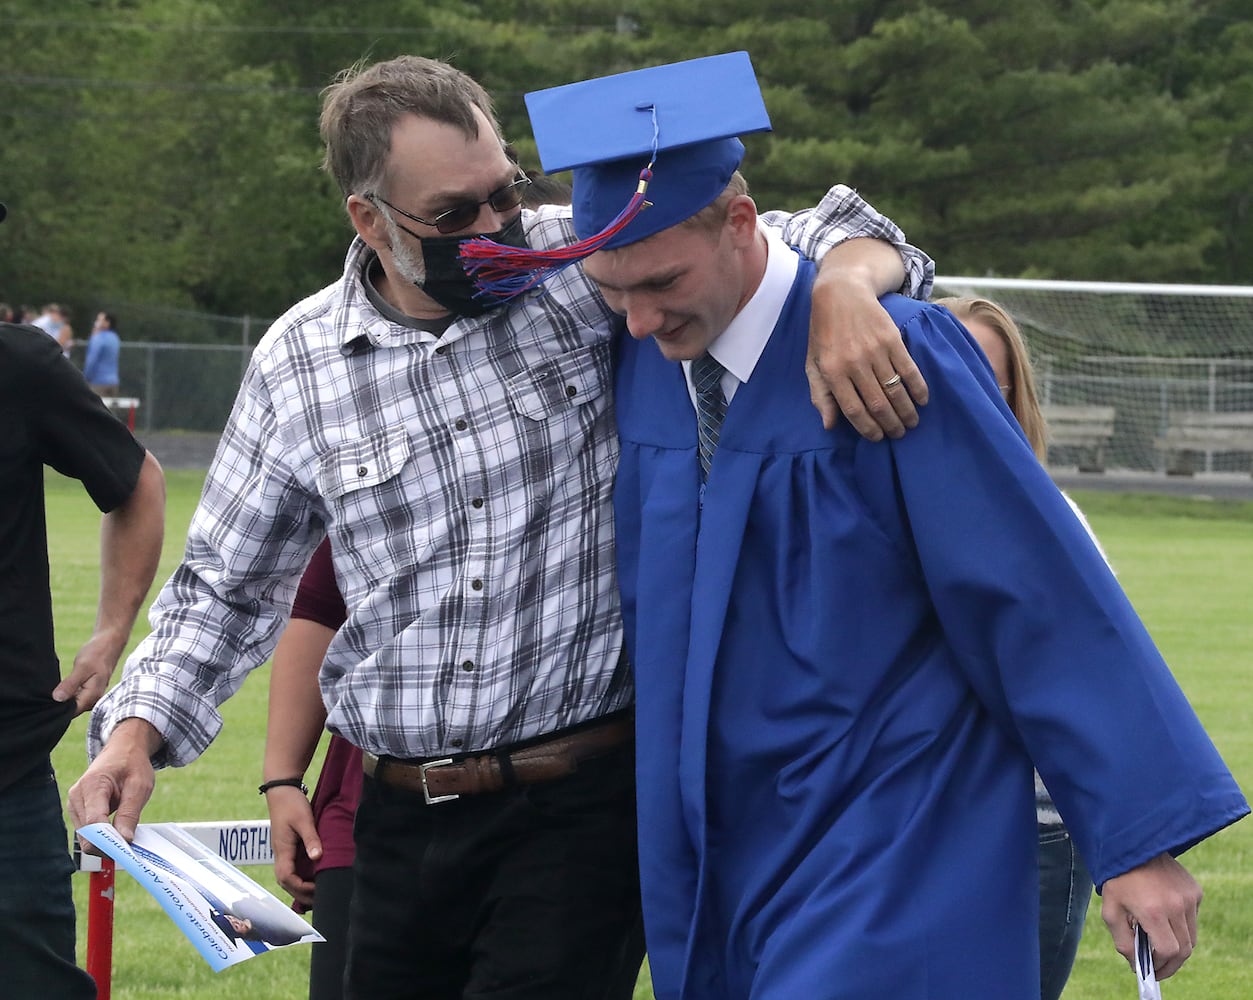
(465, 482)
(843, 208)
(711, 408)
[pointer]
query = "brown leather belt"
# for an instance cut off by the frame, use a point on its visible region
(545, 759)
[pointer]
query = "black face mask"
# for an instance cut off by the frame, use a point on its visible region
(446, 280)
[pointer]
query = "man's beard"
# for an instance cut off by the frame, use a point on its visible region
(407, 260)
(437, 269)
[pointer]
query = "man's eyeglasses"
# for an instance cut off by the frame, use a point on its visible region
(504, 199)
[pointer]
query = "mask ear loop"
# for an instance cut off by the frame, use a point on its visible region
(503, 272)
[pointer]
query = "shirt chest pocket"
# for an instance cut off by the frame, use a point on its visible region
(561, 384)
(348, 470)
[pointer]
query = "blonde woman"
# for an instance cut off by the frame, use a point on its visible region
(1065, 885)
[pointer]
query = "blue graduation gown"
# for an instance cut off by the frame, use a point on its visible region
(845, 665)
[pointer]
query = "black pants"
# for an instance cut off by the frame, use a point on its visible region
(527, 894)
(331, 895)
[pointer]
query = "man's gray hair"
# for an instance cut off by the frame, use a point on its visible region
(363, 105)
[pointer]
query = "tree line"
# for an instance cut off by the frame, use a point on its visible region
(165, 152)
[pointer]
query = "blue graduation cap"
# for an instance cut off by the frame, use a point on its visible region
(682, 119)
(648, 149)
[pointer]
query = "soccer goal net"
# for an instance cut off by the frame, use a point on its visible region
(1157, 377)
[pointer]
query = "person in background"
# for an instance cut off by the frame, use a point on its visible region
(6, 313)
(1065, 885)
(847, 654)
(66, 335)
(54, 320)
(313, 847)
(52, 419)
(459, 453)
(49, 320)
(103, 347)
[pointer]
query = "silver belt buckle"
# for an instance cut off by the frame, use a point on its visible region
(426, 792)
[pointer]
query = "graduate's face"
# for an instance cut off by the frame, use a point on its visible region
(682, 287)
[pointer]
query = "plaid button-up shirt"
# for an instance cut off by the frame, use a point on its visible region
(465, 482)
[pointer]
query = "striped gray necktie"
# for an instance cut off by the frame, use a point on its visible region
(711, 408)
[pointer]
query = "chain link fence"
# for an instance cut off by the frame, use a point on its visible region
(184, 367)
(191, 387)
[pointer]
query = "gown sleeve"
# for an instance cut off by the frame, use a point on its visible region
(1039, 624)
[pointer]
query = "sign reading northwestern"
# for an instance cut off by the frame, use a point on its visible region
(241, 842)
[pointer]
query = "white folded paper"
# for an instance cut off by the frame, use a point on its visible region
(225, 914)
(1146, 978)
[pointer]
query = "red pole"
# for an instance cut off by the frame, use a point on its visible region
(100, 928)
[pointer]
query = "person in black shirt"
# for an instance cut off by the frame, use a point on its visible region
(50, 417)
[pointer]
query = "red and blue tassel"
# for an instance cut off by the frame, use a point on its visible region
(503, 272)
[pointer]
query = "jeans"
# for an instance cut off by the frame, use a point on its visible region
(36, 905)
(530, 893)
(1065, 890)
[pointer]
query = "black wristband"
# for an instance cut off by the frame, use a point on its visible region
(265, 786)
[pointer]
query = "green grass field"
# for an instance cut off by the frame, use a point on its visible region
(1184, 563)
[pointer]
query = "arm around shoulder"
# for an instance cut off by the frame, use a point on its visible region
(854, 349)
(857, 360)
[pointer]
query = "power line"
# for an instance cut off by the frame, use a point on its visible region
(85, 83)
(221, 29)
(250, 29)
(130, 114)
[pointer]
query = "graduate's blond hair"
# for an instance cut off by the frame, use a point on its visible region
(710, 218)
(1023, 401)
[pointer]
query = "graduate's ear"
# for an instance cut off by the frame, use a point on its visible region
(742, 219)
